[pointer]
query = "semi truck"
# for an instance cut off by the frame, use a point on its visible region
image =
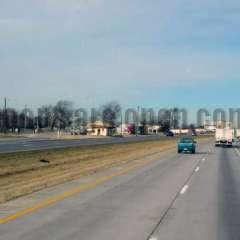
(238, 134)
(224, 137)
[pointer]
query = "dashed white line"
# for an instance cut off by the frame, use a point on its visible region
(153, 238)
(197, 169)
(184, 189)
(203, 159)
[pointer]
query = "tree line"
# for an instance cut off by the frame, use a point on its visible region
(63, 115)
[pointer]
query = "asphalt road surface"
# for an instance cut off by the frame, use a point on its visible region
(18, 145)
(178, 197)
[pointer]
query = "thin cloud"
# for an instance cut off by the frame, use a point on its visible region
(115, 48)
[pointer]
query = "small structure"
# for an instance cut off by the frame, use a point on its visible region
(78, 131)
(154, 129)
(177, 132)
(98, 129)
(201, 131)
(123, 129)
(210, 126)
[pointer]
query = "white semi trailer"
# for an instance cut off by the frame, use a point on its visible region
(224, 137)
(238, 134)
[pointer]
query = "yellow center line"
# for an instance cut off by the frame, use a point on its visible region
(83, 187)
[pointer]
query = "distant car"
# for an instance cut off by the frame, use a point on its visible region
(186, 144)
(169, 134)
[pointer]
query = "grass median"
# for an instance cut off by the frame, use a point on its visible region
(27, 172)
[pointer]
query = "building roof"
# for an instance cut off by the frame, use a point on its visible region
(97, 124)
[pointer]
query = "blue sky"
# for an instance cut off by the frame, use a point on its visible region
(150, 53)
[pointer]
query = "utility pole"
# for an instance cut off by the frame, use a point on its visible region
(137, 122)
(121, 124)
(5, 115)
(25, 118)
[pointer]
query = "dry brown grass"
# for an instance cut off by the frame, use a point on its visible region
(24, 173)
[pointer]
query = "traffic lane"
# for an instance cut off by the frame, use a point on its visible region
(229, 193)
(30, 145)
(127, 207)
(209, 209)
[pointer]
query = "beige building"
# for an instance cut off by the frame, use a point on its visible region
(97, 129)
(155, 129)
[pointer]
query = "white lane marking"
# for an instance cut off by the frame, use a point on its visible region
(197, 169)
(203, 159)
(184, 189)
(153, 238)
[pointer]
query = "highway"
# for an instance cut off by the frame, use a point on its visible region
(176, 197)
(24, 144)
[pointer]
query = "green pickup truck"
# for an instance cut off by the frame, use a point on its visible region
(186, 144)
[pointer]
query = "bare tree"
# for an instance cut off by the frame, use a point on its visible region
(62, 114)
(8, 119)
(111, 113)
(164, 119)
(45, 116)
(175, 118)
(12, 119)
(80, 118)
(59, 116)
(26, 119)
